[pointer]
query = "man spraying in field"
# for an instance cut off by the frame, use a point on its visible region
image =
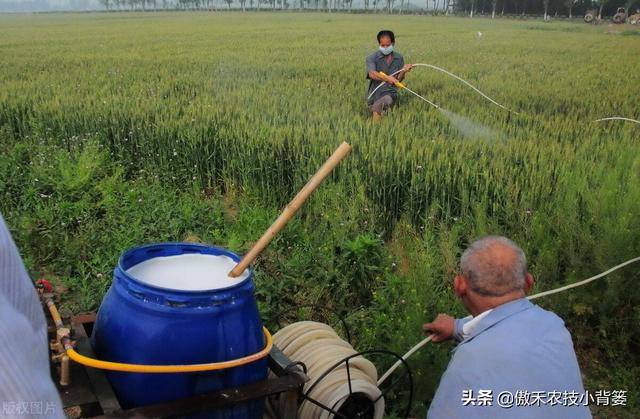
(388, 61)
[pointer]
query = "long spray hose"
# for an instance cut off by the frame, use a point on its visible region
(617, 118)
(531, 297)
(450, 74)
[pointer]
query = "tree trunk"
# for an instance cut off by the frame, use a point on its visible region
(493, 11)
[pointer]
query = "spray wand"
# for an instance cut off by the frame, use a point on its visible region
(402, 86)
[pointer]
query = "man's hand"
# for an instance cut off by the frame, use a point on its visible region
(406, 68)
(442, 328)
(392, 80)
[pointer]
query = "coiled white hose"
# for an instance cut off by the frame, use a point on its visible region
(452, 75)
(319, 347)
(531, 297)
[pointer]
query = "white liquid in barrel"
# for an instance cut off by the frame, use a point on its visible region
(191, 272)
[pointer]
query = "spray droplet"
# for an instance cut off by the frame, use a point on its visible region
(468, 128)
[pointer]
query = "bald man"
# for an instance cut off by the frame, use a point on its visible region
(513, 359)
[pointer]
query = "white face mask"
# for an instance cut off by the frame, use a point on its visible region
(386, 50)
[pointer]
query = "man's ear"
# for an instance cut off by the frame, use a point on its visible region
(528, 283)
(459, 286)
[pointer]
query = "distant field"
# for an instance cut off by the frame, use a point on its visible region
(118, 129)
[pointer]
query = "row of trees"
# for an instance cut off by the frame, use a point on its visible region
(242, 4)
(471, 7)
(542, 7)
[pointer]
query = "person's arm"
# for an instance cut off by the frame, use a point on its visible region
(374, 75)
(405, 69)
(372, 72)
(445, 327)
(458, 332)
(26, 388)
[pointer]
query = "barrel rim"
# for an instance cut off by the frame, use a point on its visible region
(218, 251)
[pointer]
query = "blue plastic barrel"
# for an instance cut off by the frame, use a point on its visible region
(138, 323)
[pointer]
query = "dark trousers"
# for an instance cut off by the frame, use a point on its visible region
(382, 103)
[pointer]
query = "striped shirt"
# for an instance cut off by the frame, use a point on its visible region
(26, 388)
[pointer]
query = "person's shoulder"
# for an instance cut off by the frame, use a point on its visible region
(538, 324)
(546, 316)
(535, 317)
(373, 55)
(523, 322)
(397, 56)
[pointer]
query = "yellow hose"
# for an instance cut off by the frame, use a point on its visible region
(117, 366)
(55, 315)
